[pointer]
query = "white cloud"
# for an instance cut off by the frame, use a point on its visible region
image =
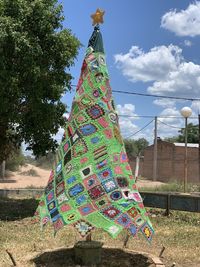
(127, 125)
(163, 102)
(154, 65)
(187, 43)
(127, 109)
(168, 127)
(184, 81)
(196, 106)
(185, 22)
(26, 152)
(59, 135)
(165, 67)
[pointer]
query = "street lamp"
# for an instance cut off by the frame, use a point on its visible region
(186, 112)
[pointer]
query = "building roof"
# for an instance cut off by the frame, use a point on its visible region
(188, 145)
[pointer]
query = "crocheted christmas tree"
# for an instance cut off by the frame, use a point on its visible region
(92, 185)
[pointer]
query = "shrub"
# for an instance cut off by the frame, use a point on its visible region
(15, 160)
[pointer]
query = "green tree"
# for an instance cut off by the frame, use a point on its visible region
(172, 139)
(36, 53)
(135, 148)
(192, 135)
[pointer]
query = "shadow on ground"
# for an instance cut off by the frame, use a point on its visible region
(5, 181)
(16, 209)
(110, 258)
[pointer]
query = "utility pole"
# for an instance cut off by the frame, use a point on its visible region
(186, 159)
(155, 151)
(199, 151)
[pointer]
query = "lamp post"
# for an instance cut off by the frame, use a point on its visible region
(186, 112)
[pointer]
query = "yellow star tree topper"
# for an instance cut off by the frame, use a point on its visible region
(98, 16)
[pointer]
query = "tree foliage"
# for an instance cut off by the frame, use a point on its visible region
(135, 148)
(192, 135)
(35, 56)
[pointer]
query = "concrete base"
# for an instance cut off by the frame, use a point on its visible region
(88, 252)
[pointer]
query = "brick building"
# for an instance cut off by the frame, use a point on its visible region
(170, 164)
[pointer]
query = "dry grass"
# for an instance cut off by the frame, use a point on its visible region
(179, 233)
(174, 186)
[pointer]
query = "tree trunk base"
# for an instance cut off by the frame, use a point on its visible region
(2, 170)
(88, 252)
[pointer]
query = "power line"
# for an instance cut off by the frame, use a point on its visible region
(153, 116)
(169, 125)
(139, 130)
(151, 95)
(159, 96)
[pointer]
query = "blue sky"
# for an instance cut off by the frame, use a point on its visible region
(151, 47)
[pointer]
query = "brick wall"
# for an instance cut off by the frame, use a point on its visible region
(171, 162)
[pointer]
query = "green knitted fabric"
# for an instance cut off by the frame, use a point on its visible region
(91, 184)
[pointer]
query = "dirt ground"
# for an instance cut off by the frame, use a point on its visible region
(36, 177)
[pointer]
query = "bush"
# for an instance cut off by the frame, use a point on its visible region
(46, 161)
(30, 172)
(15, 160)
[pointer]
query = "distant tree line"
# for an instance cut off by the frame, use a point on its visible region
(192, 135)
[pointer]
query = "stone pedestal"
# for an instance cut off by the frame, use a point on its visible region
(88, 252)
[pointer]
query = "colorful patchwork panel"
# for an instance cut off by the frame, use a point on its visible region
(58, 224)
(59, 167)
(75, 137)
(51, 206)
(71, 180)
(59, 178)
(147, 231)
(111, 212)
(86, 172)
(91, 183)
(66, 146)
(116, 195)
(109, 185)
(94, 140)
(132, 229)
(101, 202)
(67, 157)
(61, 198)
(122, 182)
(81, 118)
(95, 112)
(102, 164)
(79, 148)
(50, 196)
(49, 187)
(88, 129)
(86, 209)
(96, 192)
(105, 174)
(124, 220)
(80, 200)
(75, 190)
(60, 188)
(133, 212)
(68, 168)
(65, 207)
(83, 228)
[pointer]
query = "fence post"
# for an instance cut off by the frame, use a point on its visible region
(167, 212)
